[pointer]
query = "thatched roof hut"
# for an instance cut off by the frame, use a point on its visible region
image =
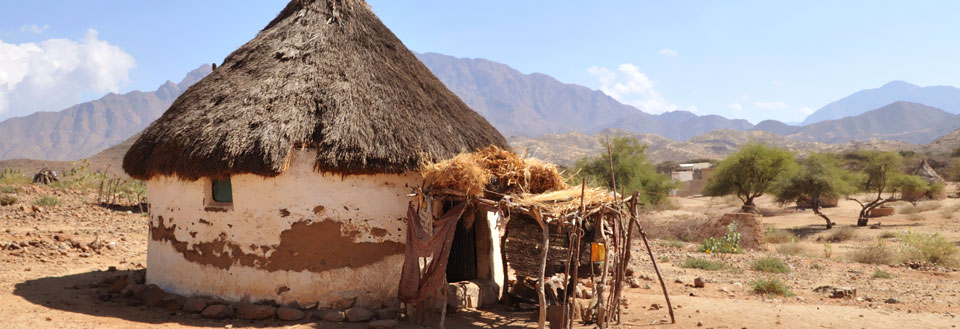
(282, 175)
(324, 74)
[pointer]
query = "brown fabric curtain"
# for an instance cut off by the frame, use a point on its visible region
(414, 289)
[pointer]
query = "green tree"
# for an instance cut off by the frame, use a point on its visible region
(750, 173)
(819, 178)
(631, 168)
(883, 173)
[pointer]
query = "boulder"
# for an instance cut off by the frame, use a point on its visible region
(334, 316)
(153, 296)
(249, 311)
(217, 311)
(172, 302)
(195, 304)
(358, 314)
(699, 283)
(289, 314)
(119, 284)
(382, 324)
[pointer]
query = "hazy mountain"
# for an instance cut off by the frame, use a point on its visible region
(943, 97)
(905, 121)
(776, 127)
(534, 104)
(87, 128)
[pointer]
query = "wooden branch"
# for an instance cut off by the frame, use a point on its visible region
(659, 276)
(541, 321)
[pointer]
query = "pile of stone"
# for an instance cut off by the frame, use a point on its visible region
(133, 288)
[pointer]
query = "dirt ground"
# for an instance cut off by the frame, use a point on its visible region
(53, 277)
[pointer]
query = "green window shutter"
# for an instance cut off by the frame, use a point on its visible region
(222, 190)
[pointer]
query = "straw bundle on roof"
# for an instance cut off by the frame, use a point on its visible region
(493, 169)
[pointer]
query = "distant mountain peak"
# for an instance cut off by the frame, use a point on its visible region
(899, 84)
(943, 97)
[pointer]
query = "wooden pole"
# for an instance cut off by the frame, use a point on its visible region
(657, 269)
(578, 235)
(601, 306)
(543, 268)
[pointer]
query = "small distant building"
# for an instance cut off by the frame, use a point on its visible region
(692, 178)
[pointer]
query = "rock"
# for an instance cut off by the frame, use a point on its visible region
(334, 316)
(382, 324)
(119, 284)
(698, 283)
(527, 307)
(369, 302)
(634, 282)
(153, 296)
(678, 281)
(628, 272)
(387, 313)
(249, 311)
(195, 304)
(344, 299)
(654, 307)
(172, 302)
(892, 300)
(216, 311)
(358, 314)
(699, 323)
(289, 314)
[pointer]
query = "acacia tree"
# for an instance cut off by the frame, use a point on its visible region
(750, 173)
(820, 177)
(630, 165)
(882, 173)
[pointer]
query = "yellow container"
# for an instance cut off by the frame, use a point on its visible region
(598, 252)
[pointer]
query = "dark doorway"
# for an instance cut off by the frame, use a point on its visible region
(462, 265)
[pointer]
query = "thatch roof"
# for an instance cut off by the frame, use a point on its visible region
(325, 74)
(925, 171)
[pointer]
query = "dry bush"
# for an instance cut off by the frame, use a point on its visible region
(6, 200)
(915, 217)
(493, 169)
(462, 173)
(876, 254)
(948, 212)
(842, 234)
(775, 235)
(771, 265)
(542, 177)
(703, 264)
(910, 209)
(931, 248)
(770, 286)
(791, 249)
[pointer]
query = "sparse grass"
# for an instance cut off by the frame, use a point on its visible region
(915, 217)
(774, 235)
(10, 176)
(910, 209)
(732, 201)
(827, 250)
(664, 259)
(876, 254)
(7, 200)
(818, 267)
(668, 204)
(770, 265)
(842, 234)
(948, 212)
(674, 243)
(703, 264)
(47, 201)
(880, 274)
(771, 286)
(931, 248)
(791, 249)
(8, 189)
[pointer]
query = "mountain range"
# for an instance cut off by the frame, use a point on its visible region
(946, 98)
(532, 110)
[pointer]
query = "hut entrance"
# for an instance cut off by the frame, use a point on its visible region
(462, 265)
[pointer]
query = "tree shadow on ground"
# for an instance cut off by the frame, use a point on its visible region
(80, 293)
(492, 319)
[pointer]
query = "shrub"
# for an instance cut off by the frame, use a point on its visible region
(880, 274)
(7, 200)
(791, 249)
(877, 254)
(729, 243)
(770, 286)
(703, 264)
(774, 235)
(10, 176)
(915, 217)
(672, 243)
(771, 265)
(932, 248)
(842, 234)
(922, 207)
(8, 189)
(818, 267)
(47, 201)
(827, 250)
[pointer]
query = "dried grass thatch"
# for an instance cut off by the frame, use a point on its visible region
(566, 200)
(324, 74)
(493, 169)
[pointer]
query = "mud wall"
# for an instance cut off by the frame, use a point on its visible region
(302, 236)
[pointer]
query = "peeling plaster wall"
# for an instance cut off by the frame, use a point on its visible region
(275, 240)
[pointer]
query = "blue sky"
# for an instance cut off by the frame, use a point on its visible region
(740, 59)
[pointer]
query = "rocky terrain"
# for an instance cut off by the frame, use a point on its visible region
(75, 264)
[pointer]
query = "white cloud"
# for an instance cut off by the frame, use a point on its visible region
(774, 106)
(776, 83)
(668, 52)
(56, 73)
(806, 110)
(34, 28)
(737, 108)
(630, 86)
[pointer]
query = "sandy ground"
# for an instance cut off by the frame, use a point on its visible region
(55, 279)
